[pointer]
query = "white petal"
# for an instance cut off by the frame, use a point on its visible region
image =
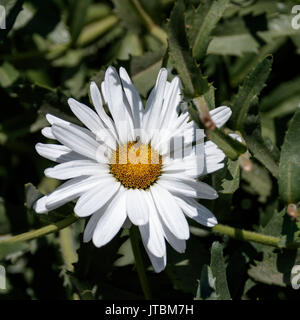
(152, 233)
(76, 168)
(171, 101)
(92, 121)
(94, 199)
(57, 152)
(76, 139)
(189, 134)
(47, 132)
(192, 165)
(40, 205)
(187, 187)
(177, 244)
(170, 212)
(111, 221)
(133, 98)
(53, 119)
(91, 225)
(158, 263)
(154, 104)
(100, 131)
(97, 101)
(149, 103)
(118, 106)
(213, 157)
(137, 206)
(103, 90)
(220, 115)
(173, 166)
(86, 115)
(236, 137)
(196, 211)
(69, 191)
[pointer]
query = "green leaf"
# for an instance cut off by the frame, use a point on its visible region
(72, 58)
(128, 15)
(77, 16)
(60, 35)
(76, 83)
(184, 270)
(284, 99)
(281, 225)
(202, 23)
(24, 17)
(110, 36)
(144, 70)
(274, 225)
(126, 255)
(234, 45)
(86, 291)
(181, 56)
(232, 37)
(248, 286)
(38, 77)
(286, 107)
(266, 153)
(275, 267)
(209, 97)
(279, 26)
(10, 248)
(218, 268)
(97, 11)
(31, 194)
(94, 30)
(268, 7)
(12, 10)
(228, 179)
(240, 69)
(289, 167)
(231, 147)
(206, 285)
(248, 93)
(45, 100)
(95, 263)
(8, 74)
(259, 181)
(4, 219)
(131, 45)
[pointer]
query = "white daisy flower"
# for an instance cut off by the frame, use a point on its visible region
(109, 172)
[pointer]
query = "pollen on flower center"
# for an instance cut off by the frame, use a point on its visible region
(136, 165)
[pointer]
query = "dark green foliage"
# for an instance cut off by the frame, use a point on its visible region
(289, 169)
(181, 55)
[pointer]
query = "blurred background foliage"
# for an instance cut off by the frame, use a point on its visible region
(242, 53)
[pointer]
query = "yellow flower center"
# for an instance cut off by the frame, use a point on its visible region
(136, 165)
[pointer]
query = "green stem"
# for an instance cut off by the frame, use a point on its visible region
(245, 235)
(139, 262)
(67, 248)
(50, 228)
(154, 29)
